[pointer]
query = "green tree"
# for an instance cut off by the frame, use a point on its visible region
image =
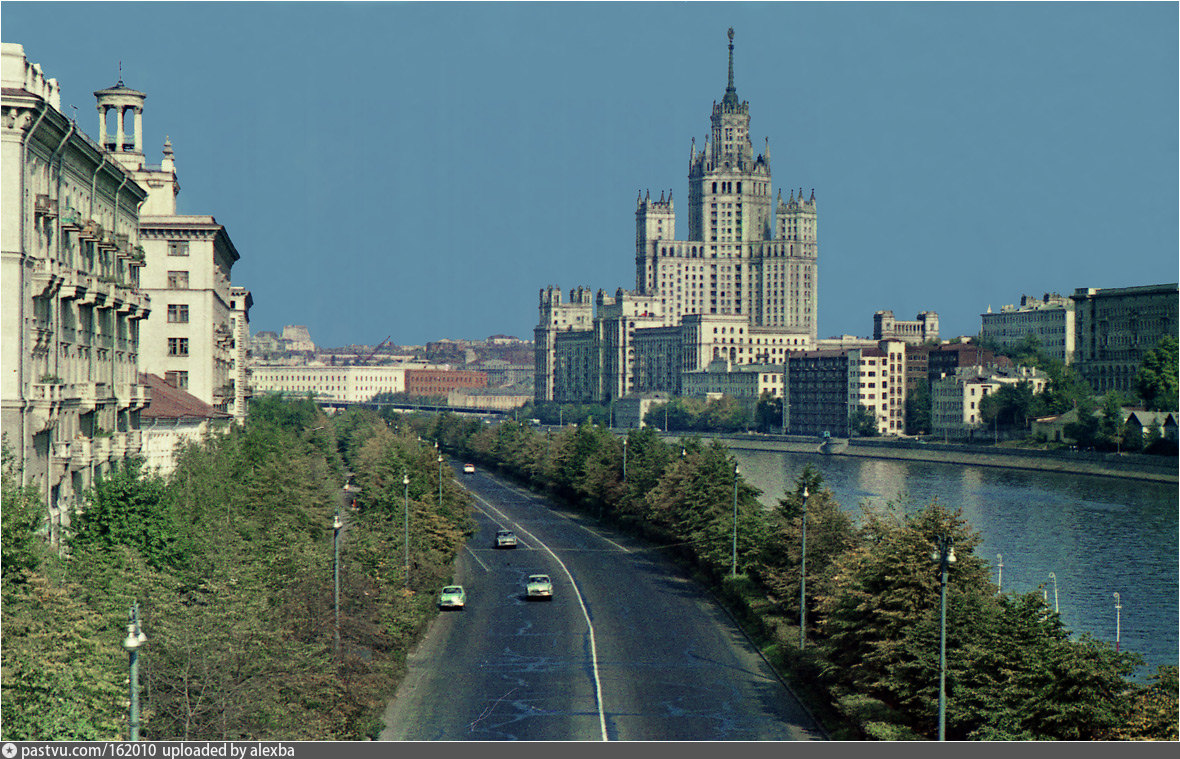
(1157, 381)
(1085, 430)
(21, 548)
(918, 410)
(127, 509)
(768, 414)
(863, 422)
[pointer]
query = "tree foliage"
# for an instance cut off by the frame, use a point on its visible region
(1157, 381)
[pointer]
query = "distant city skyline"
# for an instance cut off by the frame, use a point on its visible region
(421, 170)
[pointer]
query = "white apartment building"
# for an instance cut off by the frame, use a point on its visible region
(174, 418)
(72, 300)
(748, 261)
(955, 399)
(189, 337)
(1049, 318)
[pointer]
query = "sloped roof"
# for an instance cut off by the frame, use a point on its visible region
(169, 402)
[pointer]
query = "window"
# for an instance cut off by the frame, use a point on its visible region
(178, 346)
(178, 248)
(178, 280)
(177, 379)
(178, 313)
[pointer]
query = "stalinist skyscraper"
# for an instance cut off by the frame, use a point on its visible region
(741, 287)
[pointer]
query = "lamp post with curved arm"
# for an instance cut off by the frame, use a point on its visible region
(135, 638)
(1056, 605)
(1000, 577)
(736, 471)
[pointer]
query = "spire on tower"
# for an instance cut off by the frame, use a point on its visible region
(731, 97)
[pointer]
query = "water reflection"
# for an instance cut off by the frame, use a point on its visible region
(1098, 535)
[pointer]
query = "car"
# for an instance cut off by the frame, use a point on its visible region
(539, 587)
(505, 539)
(452, 597)
(469, 469)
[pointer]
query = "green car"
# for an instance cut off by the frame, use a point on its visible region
(539, 587)
(452, 597)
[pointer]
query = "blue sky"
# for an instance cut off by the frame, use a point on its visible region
(421, 170)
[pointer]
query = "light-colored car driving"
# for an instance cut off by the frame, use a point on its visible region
(539, 587)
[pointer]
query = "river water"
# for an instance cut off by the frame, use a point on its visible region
(1097, 535)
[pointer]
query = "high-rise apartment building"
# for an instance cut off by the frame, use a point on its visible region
(742, 285)
(824, 388)
(72, 298)
(189, 337)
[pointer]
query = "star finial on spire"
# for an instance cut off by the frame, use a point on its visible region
(120, 84)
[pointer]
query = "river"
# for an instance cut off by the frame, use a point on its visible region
(1097, 535)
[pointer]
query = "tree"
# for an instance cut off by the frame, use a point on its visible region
(126, 509)
(918, 411)
(1085, 429)
(863, 422)
(1157, 381)
(768, 414)
(20, 549)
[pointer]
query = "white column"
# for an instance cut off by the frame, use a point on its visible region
(102, 126)
(120, 135)
(138, 130)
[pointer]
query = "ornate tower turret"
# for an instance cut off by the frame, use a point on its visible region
(127, 149)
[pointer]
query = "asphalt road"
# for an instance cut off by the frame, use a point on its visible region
(627, 649)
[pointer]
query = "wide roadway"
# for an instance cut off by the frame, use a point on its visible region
(628, 649)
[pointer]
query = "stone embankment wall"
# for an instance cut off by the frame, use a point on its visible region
(1128, 465)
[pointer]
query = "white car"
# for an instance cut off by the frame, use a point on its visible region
(469, 469)
(540, 587)
(505, 539)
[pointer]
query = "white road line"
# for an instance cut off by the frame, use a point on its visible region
(533, 497)
(585, 613)
(486, 568)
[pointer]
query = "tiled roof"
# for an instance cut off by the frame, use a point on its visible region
(169, 402)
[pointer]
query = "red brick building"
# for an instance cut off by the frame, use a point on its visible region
(431, 382)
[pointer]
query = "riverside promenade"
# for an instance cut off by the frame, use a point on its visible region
(1130, 466)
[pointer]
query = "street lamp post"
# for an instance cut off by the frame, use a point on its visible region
(406, 483)
(944, 554)
(337, 523)
(1118, 621)
(624, 459)
(736, 471)
(1056, 606)
(803, 578)
(1000, 579)
(440, 482)
(135, 638)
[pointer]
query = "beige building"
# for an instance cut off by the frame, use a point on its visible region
(955, 398)
(73, 303)
(748, 263)
(189, 338)
(824, 389)
(1115, 328)
(1049, 318)
(921, 330)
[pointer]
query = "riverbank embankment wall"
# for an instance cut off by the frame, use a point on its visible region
(1128, 466)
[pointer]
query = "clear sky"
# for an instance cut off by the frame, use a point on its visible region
(421, 170)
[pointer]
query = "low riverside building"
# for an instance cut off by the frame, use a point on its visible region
(436, 382)
(348, 384)
(956, 398)
(745, 382)
(823, 389)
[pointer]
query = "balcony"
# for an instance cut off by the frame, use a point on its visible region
(103, 448)
(141, 396)
(71, 219)
(119, 445)
(82, 453)
(45, 206)
(134, 442)
(91, 394)
(61, 451)
(48, 391)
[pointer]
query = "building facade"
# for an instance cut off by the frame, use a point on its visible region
(748, 264)
(349, 384)
(189, 337)
(173, 419)
(434, 382)
(73, 302)
(824, 388)
(921, 330)
(1115, 328)
(956, 397)
(1050, 319)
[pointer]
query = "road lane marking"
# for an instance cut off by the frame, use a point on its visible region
(581, 602)
(486, 568)
(537, 499)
